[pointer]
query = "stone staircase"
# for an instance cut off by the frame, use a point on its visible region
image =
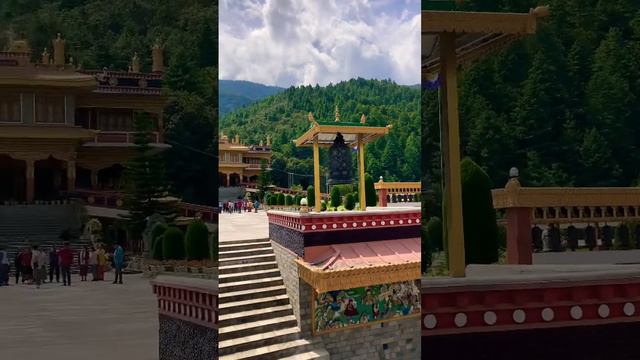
(26, 225)
(256, 320)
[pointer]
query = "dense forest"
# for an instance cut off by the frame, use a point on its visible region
(284, 117)
(562, 106)
(106, 33)
(233, 94)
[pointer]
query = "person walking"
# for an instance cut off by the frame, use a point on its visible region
(93, 263)
(118, 263)
(54, 264)
(102, 261)
(38, 265)
(66, 259)
(4, 267)
(27, 269)
(83, 263)
(17, 263)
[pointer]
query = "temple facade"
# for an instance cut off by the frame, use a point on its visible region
(239, 163)
(63, 128)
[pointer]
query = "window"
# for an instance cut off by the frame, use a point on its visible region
(10, 108)
(50, 109)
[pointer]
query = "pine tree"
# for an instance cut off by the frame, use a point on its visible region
(146, 185)
(264, 179)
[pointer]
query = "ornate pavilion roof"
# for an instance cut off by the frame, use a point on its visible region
(350, 265)
(479, 33)
(326, 131)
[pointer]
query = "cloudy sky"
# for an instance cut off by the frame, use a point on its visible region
(301, 42)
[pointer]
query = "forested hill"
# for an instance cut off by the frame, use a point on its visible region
(234, 94)
(106, 33)
(563, 106)
(284, 116)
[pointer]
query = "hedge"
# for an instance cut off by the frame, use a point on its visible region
(173, 244)
(197, 240)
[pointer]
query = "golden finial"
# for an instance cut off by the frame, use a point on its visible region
(363, 119)
(312, 119)
(45, 57)
(58, 51)
(157, 56)
(135, 63)
(337, 114)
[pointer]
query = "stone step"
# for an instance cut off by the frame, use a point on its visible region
(222, 241)
(320, 354)
(255, 284)
(273, 352)
(257, 327)
(252, 293)
(242, 246)
(233, 346)
(251, 259)
(241, 317)
(231, 307)
(244, 252)
(248, 275)
(240, 268)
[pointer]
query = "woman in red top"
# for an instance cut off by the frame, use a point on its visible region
(27, 270)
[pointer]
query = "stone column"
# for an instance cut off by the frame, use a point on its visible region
(228, 180)
(382, 194)
(71, 175)
(30, 175)
(519, 236)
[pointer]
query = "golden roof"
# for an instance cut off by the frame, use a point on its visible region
(479, 33)
(327, 132)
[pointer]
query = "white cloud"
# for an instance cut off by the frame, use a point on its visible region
(295, 42)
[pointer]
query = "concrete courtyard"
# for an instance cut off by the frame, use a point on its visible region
(88, 321)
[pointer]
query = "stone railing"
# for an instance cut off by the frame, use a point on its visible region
(397, 192)
(525, 297)
(188, 316)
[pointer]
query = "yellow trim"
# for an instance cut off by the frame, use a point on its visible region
(316, 175)
(323, 281)
(371, 133)
(482, 22)
(363, 195)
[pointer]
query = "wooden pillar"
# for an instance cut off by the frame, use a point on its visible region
(452, 194)
(361, 187)
(519, 236)
(94, 179)
(30, 175)
(71, 175)
(316, 175)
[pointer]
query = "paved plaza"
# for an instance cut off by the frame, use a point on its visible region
(87, 321)
(244, 226)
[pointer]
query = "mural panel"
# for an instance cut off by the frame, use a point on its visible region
(345, 308)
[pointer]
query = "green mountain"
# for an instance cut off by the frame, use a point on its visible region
(284, 117)
(562, 106)
(233, 94)
(106, 33)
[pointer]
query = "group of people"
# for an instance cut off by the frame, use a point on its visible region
(239, 205)
(33, 264)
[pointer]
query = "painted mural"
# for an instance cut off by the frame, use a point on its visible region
(343, 308)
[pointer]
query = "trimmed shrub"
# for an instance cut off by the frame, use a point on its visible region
(288, 200)
(156, 251)
(621, 240)
(173, 244)
(156, 243)
(479, 216)
(344, 189)
(213, 246)
(433, 230)
(336, 198)
(370, 191)
(297, 199)
(197, 240)
(323, 205)
(280, 199)
(311, 196)
(349, 202)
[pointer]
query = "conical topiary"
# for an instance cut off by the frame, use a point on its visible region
(173, 244)
(197, 240)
